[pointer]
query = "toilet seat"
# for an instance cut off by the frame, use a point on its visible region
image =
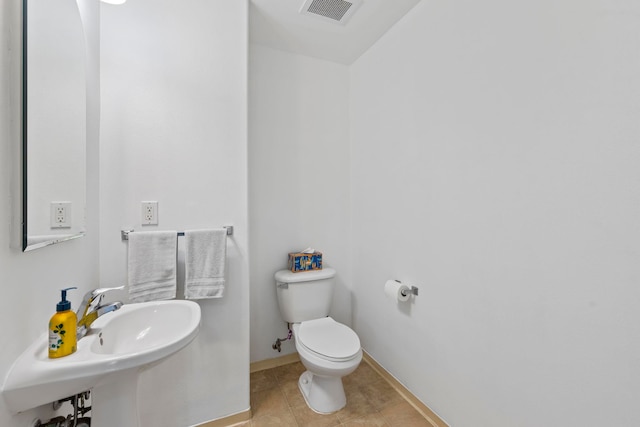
(328, 339)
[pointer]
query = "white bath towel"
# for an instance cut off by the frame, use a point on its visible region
(205, 257)
(152, 265)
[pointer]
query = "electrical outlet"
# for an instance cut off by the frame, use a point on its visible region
(149, 213)
(60, 214)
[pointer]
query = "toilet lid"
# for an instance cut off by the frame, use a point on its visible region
(329, 338)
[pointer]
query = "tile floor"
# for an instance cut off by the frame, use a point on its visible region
(371, 402)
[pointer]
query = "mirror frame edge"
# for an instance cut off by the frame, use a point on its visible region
(24, 125)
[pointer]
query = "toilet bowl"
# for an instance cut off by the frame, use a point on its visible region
(329, 350)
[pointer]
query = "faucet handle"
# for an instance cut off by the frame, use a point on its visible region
(101, 291)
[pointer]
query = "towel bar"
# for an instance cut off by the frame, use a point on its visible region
(125, 233)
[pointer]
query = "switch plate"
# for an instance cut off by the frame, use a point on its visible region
(60, 214)
(149, 213)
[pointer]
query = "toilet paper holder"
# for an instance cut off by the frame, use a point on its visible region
(413, 290)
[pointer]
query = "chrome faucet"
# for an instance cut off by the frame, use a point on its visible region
(90, 309)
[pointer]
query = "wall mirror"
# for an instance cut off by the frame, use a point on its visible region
(54, 123)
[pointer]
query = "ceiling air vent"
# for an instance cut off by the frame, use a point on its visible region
(336, 11)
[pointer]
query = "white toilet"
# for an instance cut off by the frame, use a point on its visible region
(328, 349)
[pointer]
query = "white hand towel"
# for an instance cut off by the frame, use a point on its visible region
(152, 265)
(204, 259)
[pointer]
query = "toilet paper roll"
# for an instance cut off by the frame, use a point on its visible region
(394, 290)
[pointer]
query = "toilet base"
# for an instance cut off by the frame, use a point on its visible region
(324, 395)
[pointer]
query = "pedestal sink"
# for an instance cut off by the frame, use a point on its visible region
(107, 361)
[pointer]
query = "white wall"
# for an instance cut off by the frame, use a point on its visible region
(495, 165)
(298, 180)
(31, 281)
(174, 130)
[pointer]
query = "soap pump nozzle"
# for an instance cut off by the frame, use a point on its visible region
(64, 305)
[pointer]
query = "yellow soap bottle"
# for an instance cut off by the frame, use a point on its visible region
(62, 329)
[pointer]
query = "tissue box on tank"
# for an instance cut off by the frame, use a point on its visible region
(305, 262)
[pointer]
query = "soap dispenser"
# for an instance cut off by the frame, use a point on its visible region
(62, 329)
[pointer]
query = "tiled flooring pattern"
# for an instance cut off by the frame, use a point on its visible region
(371, 402)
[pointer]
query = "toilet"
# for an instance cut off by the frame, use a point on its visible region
(328, 349)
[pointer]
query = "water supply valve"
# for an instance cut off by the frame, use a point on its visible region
(278, 344)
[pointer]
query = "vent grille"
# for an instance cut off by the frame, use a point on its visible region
(335, 10)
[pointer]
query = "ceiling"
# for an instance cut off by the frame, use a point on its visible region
(280, 25)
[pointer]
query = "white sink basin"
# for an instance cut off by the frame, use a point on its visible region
(132, 337)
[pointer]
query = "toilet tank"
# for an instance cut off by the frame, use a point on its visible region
(305, 295)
